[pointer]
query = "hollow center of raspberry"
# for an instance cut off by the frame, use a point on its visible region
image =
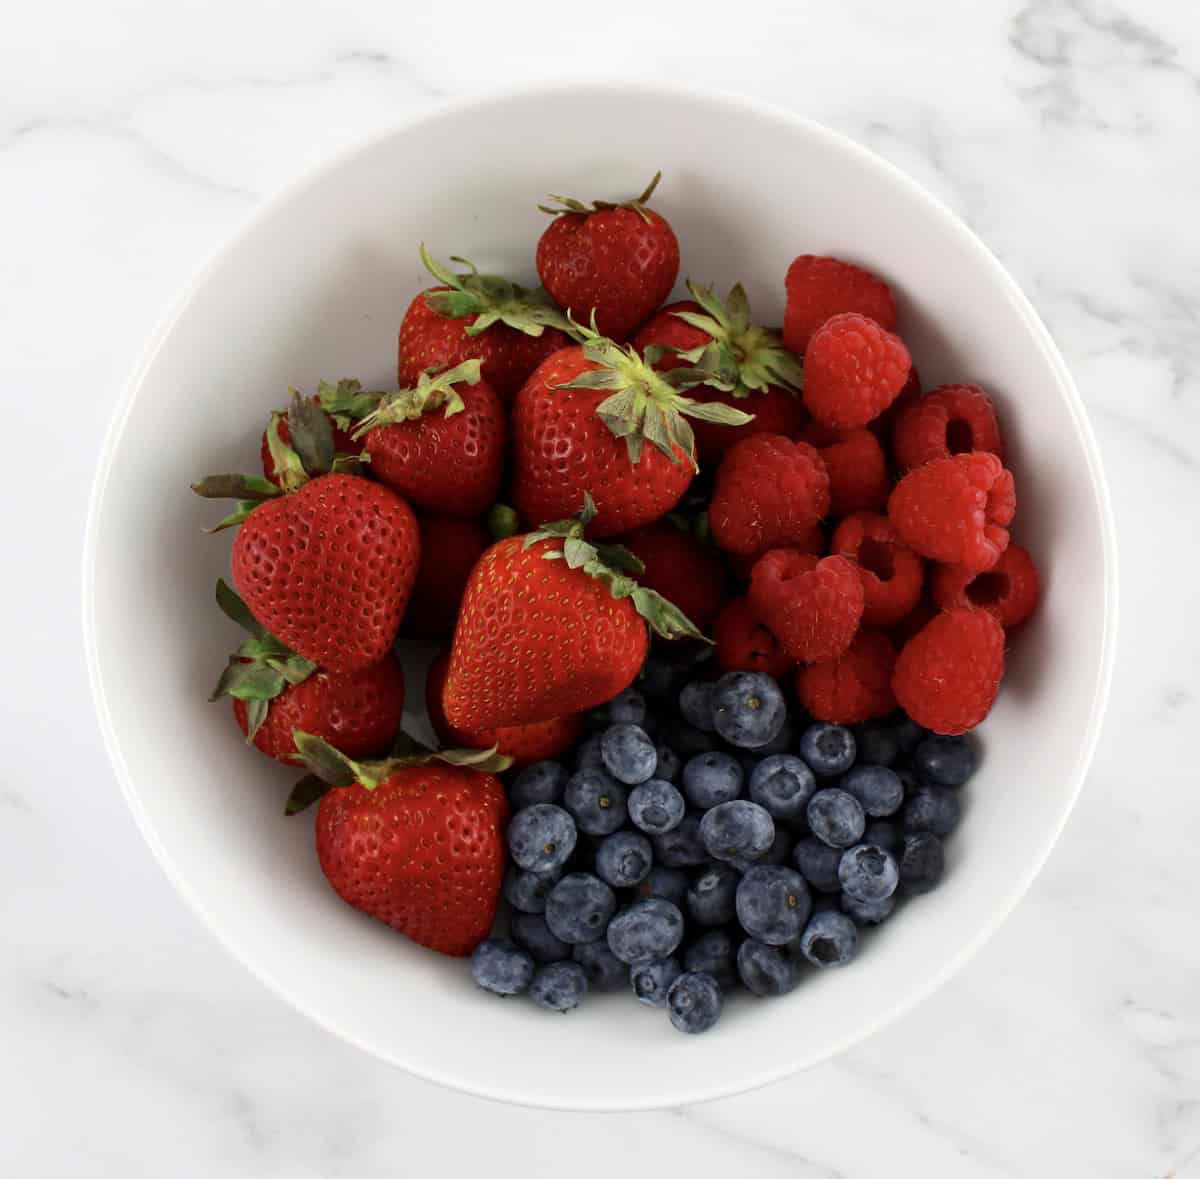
(987, 589)
(959, 437)
(878, 557)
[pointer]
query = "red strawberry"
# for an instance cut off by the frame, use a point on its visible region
(550, 625)
(853, 370)
(679, 567)
(449, 550)
(598, 419)
(416, 842)
(343, 443)
(610, 265)
(747, 366)
(819, 288)
(745, 643)
(474, 316)
(813, 605)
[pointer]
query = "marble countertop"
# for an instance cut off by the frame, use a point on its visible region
(134, 137)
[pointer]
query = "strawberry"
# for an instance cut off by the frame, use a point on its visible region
(580, 424)
(474, 316)
(747, 366)
(326, 563)
(415, 841)
(343, 443)
(551, 624)
(679, 567)
(449, 550)
(612, 264)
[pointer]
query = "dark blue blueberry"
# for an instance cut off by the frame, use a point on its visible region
(715, 953)
(647, 930)
(659, 678)
(748, 709)
(773, 904)
(604, 970)
(669, 883)
(780, 852)
(783, 784)
(652, 980)
(587, 754)
(669, 763)
(500, 967)
(922, 862)
(681, 847)
(767, 970)
(944, 761)
(931, 808)
(876, 743)
(628, 754)
(711, 778)
(628, 708)
(530, 932)
(737, 830)
(694, 1002)
(884, 834)
(596, 800)
(829, 749)
(868, 873)
(579, 907)
(868, 912)
(829, 939)
(541, 782)
(656, 807)
(818, 863)
(624, 859)
(878, 790)
(687, 740)
(527, 891)
(836, 817)
(695, 705)
(560, 986)
(541, 838)
(909, 734)
(710, 899)
(782, 742)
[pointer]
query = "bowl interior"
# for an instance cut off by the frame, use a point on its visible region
(315, 287)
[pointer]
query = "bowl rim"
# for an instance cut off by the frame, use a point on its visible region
(599, 88)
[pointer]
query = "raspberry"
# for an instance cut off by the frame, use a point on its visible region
(819, 288)
(769, 491)
(956, 510)
(813, 605)
(853, 370)
(858, 474)
(813, 542)
(854, 687)
(1009, 590)
(954, 419)
(745, 643)
(914, 621)
(892, 574)
(948, 674)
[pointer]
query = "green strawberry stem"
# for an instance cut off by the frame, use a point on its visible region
(571, 205)
(503, 521)
(347, 402)
(431, 393)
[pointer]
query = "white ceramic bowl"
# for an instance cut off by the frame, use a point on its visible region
(315, 287)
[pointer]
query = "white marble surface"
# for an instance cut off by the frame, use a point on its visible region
(135, 136)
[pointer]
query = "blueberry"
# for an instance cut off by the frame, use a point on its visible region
(624, 859)
(560, 986)
(829, 939)
(541, 782)
(527, 891)
(714, 953)
(766, 970)
(818, 864)
(628, 708)
(579, 907)
(944, 761)
(773, 904)
(738, 829)
(883, 834)
(587, 754)
(868, 912)
(829, 749)
(868, 873)
(652, 980)
(748, 709)
(604, 970)
(500, 967)
(908, 733)
(681, 847)
(669, 763)
(711, 778)
(646, 930)
(780, 852)
(669, 883)
(781, 742)
(782, 784)
(922, 862)
(710, 899)
(694, 1002)
(659, 678)
(530, 932)
(597, 802)
(656, 807)
(876, 743)
(695, 705)
(687, 740)
(931, 808)
(835, 817)
(878, 790)
(628, 754)
(541, 838)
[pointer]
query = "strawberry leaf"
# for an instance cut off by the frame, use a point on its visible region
(235, 609)
(256, 713)
(571, 205)
(308, 790)
(345, 402)
(329, 764)
(254, 488)
(665, 618)
(312, 436)
(431, 393)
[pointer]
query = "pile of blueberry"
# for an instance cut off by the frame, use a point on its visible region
(703, 838)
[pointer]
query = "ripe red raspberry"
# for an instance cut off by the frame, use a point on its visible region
(1009, 590)
(884, 426)
(857, 466)
(956, 510)
(892, 574)
(769, 491)
(813, 542)
(923, 613)
(854, 687)
(948, 675)
(745, 643)
(813, 605)
(819, 288)
(687, 573)
(954, 419)
(853, 370)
